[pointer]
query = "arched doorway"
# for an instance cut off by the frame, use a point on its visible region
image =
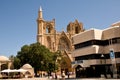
(83, 72)
(64, 47)
(4, 63)
(80, 71)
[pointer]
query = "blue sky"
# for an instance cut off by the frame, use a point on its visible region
(18, 24)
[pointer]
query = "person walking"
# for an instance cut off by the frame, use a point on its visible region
(68, 73)
(63, 75)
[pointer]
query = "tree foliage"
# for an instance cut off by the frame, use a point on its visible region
(37, 55)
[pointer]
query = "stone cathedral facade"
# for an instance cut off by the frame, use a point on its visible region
(62, 41)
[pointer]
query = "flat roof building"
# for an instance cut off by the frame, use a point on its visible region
(92, 52)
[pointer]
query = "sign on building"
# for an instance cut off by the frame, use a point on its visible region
(112, 54)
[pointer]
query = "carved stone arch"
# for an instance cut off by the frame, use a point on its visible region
(69, 27)
(49, 28)
(4, 66)
(75, 27)
(49, 45)
(64, 43)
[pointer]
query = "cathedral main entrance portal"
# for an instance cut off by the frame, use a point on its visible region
(65, 49)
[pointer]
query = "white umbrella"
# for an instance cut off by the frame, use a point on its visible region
(14, 70)
(6, 70)
(22, 70)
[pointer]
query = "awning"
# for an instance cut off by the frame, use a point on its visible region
(13, 70)
(22, 70)
(6, 70)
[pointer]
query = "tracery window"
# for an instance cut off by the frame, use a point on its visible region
(76, 30)
(48, 30)
(63, 44)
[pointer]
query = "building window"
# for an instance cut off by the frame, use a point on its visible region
(118, 40)
(76, 30)
(48, 29)
(97, 42)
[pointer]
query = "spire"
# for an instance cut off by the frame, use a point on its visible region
(40, 8)
(40, 13)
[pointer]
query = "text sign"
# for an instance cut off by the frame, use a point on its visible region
(112, 54)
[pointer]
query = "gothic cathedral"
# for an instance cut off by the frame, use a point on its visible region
(62, 41)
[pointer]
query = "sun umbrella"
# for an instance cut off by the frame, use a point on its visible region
(22, 70)
(7, 70)
(14, 70)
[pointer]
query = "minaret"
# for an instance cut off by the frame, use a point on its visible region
(40, 13)
(40, 25)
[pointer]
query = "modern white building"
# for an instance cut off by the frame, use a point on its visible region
(97, 52)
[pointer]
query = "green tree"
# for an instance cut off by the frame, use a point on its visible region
(16, 63)
(36, 55)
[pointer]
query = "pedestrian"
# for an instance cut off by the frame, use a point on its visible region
(68, 73)
(55, 75)
(63, 75)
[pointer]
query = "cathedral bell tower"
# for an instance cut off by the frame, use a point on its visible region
(46, 31)
(40, 25)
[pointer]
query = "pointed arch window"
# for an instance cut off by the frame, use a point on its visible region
(48, 29)
(76, 29)
(63, 44)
